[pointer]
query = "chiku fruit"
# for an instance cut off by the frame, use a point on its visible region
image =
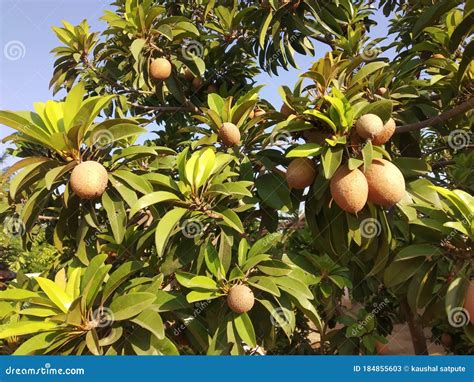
(469, 301)
(386, 183)
(89, 180)
(229, 134)
(369, 125)
(349, 189)
(160, 69)
(240, 299)
(386, 134)
(286, 110)
(300, 173)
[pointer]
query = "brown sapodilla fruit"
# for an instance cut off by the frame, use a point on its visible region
(212, 88)
(188, 75)
(229, 134)
(286, 110)
(349, 189)
(300, 173)
(240, 299)
(447, 340)
(160, 69)
(386, 134)
(89, 180)
(197, 83)
(386, 183)
(369, 125)
(469, 301)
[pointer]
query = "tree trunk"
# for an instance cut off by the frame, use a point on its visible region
(416, 329)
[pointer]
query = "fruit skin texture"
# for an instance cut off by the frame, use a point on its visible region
(89, 180)
(240, 299)
(229, 134)
(160, 69)
(300, 173)
(386, 183)
(469, 301)
(349, 189)
(386, 134)
(369, 125)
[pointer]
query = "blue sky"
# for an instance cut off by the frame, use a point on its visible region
(26, 39)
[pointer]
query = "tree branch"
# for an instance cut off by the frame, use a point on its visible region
(441, 164)
(443, 117)
(166, 109)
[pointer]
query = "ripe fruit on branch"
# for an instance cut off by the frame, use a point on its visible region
(229, 134)
(160, 69)
(212, 88)
(300, 173)
(240, 299)
(369, 125)
(349, 189)
(387, 132)
(447, 340)
(286, 110)
(256, 113)
(197, 83)
(386, 183)
(469, 301)
(188, 75)
(89, 180)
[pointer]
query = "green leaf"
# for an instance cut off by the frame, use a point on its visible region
(166, 226)
(331, 160)
(417, 250)
(275, 268)
(400, 271)
(273, 191)
(151, 321)
(151, 199)
(55, 293)
(204, 166)
(20, 328)
(367, 70)
(215, 102)
(202, 282)
(195, 296)
(38, 342)
(367, 154)
(119, 276)
(117, 217)
(130, 305)
(245, 329)
(382, 108)
(232, 220)
(305, 150)
(264, 244)
(14, 294)
(264, 28)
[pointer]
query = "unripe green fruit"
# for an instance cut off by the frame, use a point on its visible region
(89, 180)
(229, 134)
(240, 299)
(369, 125)
(300, 173)
(160, 69)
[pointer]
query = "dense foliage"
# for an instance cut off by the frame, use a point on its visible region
(194, 211)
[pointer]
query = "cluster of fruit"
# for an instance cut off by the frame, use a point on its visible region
(381, 183)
